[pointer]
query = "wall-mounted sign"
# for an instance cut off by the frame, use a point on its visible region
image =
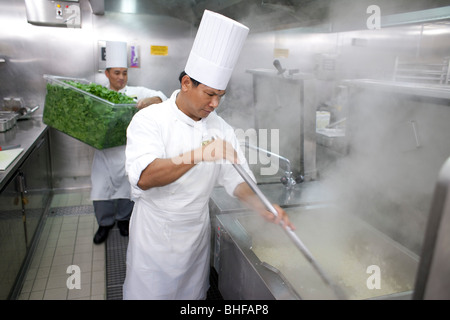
(159, 50)
(280, 53)
(134, 57)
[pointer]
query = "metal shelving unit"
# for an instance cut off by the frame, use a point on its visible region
(422, 72)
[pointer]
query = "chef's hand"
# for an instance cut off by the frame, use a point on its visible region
(147, 101)
(282, 217)
(248, 197)
(219, 149)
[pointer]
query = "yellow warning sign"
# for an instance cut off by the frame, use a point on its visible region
(159, 50)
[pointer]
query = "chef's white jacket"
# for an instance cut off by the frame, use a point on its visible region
(108, 177)
(169, 242)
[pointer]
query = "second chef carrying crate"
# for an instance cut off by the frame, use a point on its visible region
(84, 116)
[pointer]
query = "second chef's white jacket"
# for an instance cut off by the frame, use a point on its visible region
(108, 177)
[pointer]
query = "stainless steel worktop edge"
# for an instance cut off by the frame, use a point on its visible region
(25, 133)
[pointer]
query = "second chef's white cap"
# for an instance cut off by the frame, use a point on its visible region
(116, 54)
(216, 48)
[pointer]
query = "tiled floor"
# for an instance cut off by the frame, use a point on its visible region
(66, 240)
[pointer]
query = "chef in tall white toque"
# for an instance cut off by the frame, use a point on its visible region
(176, 153)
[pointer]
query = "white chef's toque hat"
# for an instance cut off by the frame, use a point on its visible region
(116, 54)
(216, 48)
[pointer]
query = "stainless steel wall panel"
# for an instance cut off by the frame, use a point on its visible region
(31, 51)
(158, 72)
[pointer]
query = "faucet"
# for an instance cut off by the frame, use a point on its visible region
(288, 179)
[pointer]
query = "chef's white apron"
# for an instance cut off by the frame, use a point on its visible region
(169, 257)
(178, 266)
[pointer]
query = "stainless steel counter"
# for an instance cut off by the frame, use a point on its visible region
(25, 193)
(25, 133)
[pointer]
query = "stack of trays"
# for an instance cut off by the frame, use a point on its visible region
(7, 120)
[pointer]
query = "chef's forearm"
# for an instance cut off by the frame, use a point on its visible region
(246, 195)
(161, 172)
(143, 103)
(164, 171)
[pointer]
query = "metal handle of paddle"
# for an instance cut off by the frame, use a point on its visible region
(292, 235)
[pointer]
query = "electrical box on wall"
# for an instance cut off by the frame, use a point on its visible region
(54, 13)
(101, 46)
(325, 66)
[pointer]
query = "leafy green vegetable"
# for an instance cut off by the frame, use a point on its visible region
(86, 118)
(102, 92)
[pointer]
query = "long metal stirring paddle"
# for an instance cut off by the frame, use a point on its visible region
(292, 235)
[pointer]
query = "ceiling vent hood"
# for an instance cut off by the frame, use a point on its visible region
(54, 13)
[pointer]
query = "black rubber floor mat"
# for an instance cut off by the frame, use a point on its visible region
(72, 210)
(116, 252)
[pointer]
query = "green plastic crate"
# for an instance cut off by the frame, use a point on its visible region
(84, 116)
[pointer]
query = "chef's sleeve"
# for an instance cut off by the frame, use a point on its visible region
(144, 145)
(148, 93)
(229, 178)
